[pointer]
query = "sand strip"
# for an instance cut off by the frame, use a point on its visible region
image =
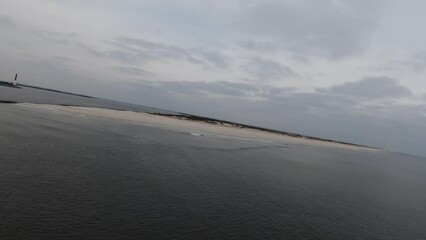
(195, 127)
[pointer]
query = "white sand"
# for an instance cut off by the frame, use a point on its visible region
(194, 127)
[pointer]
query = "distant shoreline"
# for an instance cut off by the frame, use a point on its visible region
(8, 84)
(184, 117)
(57, 91)
(245, 126)
(191, 123)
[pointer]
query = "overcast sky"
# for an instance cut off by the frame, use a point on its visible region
(350, 70)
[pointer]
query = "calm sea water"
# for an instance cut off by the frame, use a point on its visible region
(32, 95)
(71, 176)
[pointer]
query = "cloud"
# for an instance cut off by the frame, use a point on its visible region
(414, 63)
(134, 71)
(328, 28)
(261, 46)
(217, 88)
(267, 70)
(214, 57)
(68, 39)
(132, 50)
(371, 88)
(61, 59)
(310, 100)
(7, 22)
(131, 57)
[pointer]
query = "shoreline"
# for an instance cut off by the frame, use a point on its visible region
(55, 91)
(200, 126)
(245, 126)
(8, 84)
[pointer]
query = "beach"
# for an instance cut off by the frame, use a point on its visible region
(195, 127)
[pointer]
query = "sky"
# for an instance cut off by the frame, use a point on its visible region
(348, 70)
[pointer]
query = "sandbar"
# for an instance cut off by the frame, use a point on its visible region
(199, 128)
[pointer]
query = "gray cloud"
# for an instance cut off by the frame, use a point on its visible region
(7, 22)
(68, 39)
(311, 100)
(61, 59)
(60, 38)
(416, 63)
(214, 57)
(371, 88)
(262, 46)
(218, 88)
(134, 71)
(324, 28)
(128, 57)
(132, 50)
(267, 70)
(156, 50)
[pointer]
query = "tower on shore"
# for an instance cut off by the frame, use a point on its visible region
(16, 79)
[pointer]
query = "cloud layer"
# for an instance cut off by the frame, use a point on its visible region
(329, 28)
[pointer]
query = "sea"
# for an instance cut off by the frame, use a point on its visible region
(43, 96)
(74, 176)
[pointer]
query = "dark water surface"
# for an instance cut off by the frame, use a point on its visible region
(71, 176)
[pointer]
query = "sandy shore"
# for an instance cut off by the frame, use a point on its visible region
(194, 127)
